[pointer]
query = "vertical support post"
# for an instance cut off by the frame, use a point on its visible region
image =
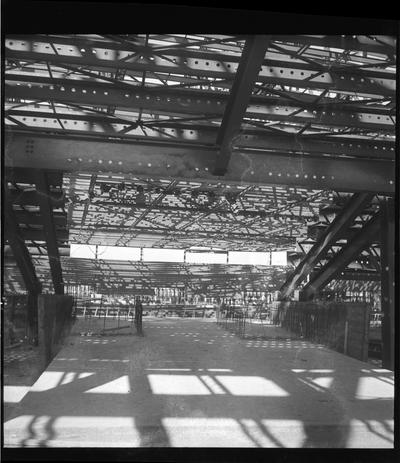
(32, 318)
(387, 282)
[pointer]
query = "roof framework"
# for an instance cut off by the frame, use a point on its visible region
(131, 130)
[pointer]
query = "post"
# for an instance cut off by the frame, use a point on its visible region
(387, 282)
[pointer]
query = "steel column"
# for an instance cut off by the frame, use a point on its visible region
(46, 211)
(387, 282)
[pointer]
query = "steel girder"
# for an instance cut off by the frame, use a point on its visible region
(31, 218)
(357, 44)
(196, 162)
(168, 132)
(335, 231)
(239, 98)
(21, 254)
(46, 211)
(335, 265)
(282, 73)
(182, 101)
(358, 275)
(32, 198)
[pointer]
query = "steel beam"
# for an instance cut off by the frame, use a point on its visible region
(26, 176)
(32, 198)
(358, 43)
(335, 266)
(30, 218)
(358, 275)
(335, 231)
(21, 254)
(206, 135)
(182, 101)
(239, 98)
(179, 161)
(46, 211)
(284, 74)
(388, 282)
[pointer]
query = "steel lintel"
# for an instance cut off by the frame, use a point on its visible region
(179, 161)
(239, 97)
(336, 265)
(336, 230)
(46, 211)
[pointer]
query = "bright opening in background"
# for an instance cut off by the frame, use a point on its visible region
(122, 253)
(249, 258)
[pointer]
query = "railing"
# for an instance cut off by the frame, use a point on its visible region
(232, 319)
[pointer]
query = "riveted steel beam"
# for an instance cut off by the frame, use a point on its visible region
(197, 162)
(239, 98)
(46, 210)
(335, 231)
(168, 131)
(358, 43)
(282, 74)
(177, 102)
(335, 265)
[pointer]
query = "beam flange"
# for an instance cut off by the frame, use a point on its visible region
(334, 266)
(186, 161)
(46, 210)
(336, 230)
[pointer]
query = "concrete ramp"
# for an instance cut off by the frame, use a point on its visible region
(189, 383)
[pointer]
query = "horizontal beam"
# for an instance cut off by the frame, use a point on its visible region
(248, 138)
(283, 74)
(32, 198)
(343, 257)
(358, 43)
(26, 176)
(183, 101)
(329, 236)
(21, 254)
(193, 162)
(30, 218)
(358, 275)
(39, 235)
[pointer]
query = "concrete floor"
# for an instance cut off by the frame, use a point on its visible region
(189, 383)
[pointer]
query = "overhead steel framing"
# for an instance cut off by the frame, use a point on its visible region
(281, 120)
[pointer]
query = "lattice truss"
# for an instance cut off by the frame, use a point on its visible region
(181, 214)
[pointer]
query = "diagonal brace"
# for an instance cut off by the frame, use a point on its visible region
(46, 210)
(358, 243)
(331, 234)
(246, 75)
